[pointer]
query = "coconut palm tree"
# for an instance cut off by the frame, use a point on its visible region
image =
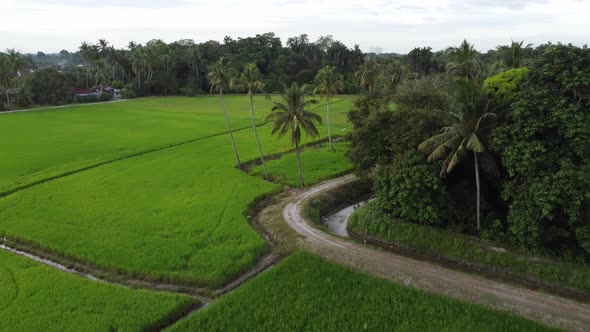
(5, 77)
(395, 72)
(515, 55)
(89, 53)
(138, 62)
(250, 77)
(464, 61)
(367, 74)
(468, 131)
(289, 116)
(16, 61)
(221, 79)
(328, 81)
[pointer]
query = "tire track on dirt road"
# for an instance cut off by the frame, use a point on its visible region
(548, 309)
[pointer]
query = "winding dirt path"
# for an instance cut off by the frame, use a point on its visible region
(548, 309)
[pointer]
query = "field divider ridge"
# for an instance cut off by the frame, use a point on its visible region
(103, 163)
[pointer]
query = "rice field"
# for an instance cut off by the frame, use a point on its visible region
(174, 214)
(34, 297)
(318, 163)
(305, 293)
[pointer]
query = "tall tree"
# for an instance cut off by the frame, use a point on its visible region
(464, 61)
(290, 116)
(221, 79)
(251, 76)
(328, 82)
(367, 74)
(514, 55)
(16, 61)
(468, 131)
(89, 53)
(5, 77)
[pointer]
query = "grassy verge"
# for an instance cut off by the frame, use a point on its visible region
(466, 250)
(34, 297)
(305, 292)
(318, 164)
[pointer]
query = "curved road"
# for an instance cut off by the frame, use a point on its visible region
(548, 309)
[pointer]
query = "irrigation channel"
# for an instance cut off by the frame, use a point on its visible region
(337, 222)
(549, 309)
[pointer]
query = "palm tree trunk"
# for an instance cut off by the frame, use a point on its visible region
(8, 100)
(299, 164)
(256, 136)
(87, 73)
(231, 136)
(477, 184)
(328, 123)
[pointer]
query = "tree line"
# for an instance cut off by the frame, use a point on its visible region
(496, 145)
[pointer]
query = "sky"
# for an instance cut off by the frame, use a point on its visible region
(388, 26)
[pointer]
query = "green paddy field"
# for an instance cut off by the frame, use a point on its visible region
(149, 189)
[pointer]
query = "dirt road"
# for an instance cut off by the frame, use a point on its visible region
(548, 309)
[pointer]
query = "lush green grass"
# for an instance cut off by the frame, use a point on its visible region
(39, 144)
(370, 221)
(317, 163)
(173, 214)
(307, 293)
(34, 297)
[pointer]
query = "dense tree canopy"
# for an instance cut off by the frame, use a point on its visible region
(545, 148)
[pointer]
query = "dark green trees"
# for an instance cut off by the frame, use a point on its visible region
(545, 147)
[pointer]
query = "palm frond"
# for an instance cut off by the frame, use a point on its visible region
(458, 155)
(474, 144)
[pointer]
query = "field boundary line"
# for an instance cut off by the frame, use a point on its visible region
(97, 274)
(49, 108)
(103, 163)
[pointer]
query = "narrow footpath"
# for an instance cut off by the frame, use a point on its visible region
(548, 309)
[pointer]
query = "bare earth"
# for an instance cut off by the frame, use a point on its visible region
(548, 309)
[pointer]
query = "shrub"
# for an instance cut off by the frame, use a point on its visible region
(129, 91)
(545, 148)
(371, 221)
(411, 189)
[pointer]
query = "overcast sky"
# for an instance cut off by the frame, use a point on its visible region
(393, 26)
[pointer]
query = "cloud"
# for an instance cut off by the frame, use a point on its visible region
(51, 25)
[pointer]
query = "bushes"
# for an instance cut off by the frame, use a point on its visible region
(371, 221)
(411, 190)
(129, 91)
(504, 85)
(49, 87)
(545, 148)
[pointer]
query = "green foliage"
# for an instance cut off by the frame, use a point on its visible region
(371, 221)
(426, 92)
(420, 60)
(129, 91)
(49, 87)
(545, 148)
(34, 297)
(411, 190)
(465, 61)
(502, 87)
(305, 292)
(381, 135)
